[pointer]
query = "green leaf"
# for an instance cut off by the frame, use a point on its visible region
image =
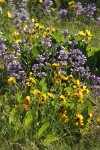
(43, 85)
(11, 116)
(41, 131)
(92, 50)
(28, 119)
(35, 52)
(49, 138)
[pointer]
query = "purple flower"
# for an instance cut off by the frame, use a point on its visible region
(63, 13)
(64, 33)
(78, 8)
(63, 54)
(47, 3)
(46, 42)
(40, 58)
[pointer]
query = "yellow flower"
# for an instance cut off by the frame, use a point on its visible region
(71, 3)
(62, 97)
(45, 34)
(9, 14)
(33, 20)
(41, 27)
(31, 74)
(52, 29)
(90, 115)
(79, 117)
(81, 33)
(37, 25)
(41, 1)
(25, 27)
(68, 93)
(1, 1)
(63, 77)
(55, 65)
(42, 98)
(63, 117)
(30, 81)
(18, 41)
(15, 34)
(11, 80)
(98, 120)
(26, 107)
(76, 123)
(79, 96)
(27, 100)
(88, 33)
(35, 92)
(51, 95)
(74, 86)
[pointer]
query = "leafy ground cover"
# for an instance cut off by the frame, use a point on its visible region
(49, 75)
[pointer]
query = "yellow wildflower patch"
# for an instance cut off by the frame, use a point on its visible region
(11, 80)
(1, 1)
(9, 14)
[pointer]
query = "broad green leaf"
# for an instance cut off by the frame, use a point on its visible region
(43, 85)
(49, 138)
(41, 131)
(12, 116)
(35, 52)
(28, 119)
(92, 50)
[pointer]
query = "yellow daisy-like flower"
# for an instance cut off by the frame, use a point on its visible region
(63, 117)
(71, 3)
(35, 92)
(51, 95)
(1, 1)
(68, 93)
(76, 123)
(88, 33)
(26, 107)
(9, 14)
(79, 117)
(18, 41)
(27, 100)
(30, 81)
(41, 1)
(63, 77)
(55, 65)
(11, 80)
(37, 25)
(15, 34)
(25, 27)
(33, 20)
(81, 33)
(42, 98)
(52, 29)
(63, 98)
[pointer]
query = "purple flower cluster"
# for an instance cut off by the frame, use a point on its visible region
(77, 61)
(78, 8)
(3, 48)
(64, 33)
(47, 3)
(95, 82)
(90, 9)
(46, 42)
(20, 14)
(63, 13)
